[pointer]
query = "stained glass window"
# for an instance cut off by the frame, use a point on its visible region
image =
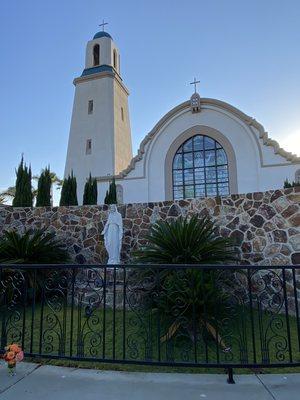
(200, 169)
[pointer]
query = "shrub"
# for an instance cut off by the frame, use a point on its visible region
(32, 247)
(188, 298)
(185, 241)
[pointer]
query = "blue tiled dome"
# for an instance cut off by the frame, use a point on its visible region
(102, 34)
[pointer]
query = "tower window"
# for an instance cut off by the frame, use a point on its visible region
(122, 113)
(115, 59)
(90, 107)
(88, 148)
(96, 54)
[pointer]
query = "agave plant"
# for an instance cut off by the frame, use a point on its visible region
(191, 298)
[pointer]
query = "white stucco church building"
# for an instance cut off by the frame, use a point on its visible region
(202, 147)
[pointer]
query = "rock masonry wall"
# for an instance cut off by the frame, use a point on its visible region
(266, 226)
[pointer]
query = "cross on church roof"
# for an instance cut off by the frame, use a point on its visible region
(103, 24)
(195, 84)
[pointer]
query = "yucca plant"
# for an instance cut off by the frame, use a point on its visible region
(187, 297)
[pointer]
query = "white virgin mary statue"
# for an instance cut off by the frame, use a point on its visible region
(113, 233)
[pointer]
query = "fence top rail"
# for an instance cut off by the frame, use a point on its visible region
(146, 266)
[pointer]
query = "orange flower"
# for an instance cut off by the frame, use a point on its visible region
(10, 355)
(14, 347)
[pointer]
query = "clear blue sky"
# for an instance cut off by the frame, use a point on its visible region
(246, 53)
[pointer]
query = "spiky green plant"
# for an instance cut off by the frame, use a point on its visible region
(191, 299)
(185, 241)
(32, 247)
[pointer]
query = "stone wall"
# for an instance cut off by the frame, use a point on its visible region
(266, 226)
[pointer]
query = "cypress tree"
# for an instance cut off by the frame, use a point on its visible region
(90, 191)
(86, 192)
(113, 190)
(287, 184)
(64, 191)
(94, 191)
(23, 196)
(73, 191)
(106, 199)
(69, 192)
(44, 189)
(111, 194)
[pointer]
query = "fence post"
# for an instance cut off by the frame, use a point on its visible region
(230, 379)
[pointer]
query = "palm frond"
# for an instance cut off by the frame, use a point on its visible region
(32, 247)
(185, 241)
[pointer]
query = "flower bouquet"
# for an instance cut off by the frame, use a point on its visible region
(13, 354)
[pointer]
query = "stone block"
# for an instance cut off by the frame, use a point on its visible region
(257, 220)
(279, 236)
(296, 259)
(294, 241)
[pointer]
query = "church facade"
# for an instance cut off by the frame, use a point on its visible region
(202, 147)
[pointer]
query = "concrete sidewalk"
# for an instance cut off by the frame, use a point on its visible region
(49, 382)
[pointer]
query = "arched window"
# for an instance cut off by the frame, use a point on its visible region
(115, 59)
(297, 177)
(119, 194)
(96, 54)
(200, 168)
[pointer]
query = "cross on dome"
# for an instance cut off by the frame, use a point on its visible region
(103, 24)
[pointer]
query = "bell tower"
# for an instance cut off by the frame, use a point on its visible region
(100, 134)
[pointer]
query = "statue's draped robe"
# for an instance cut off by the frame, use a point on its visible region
(113, 233)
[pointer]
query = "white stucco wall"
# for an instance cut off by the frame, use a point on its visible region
(107, 47)
(110, 135)
(259, 164)
(258, 167)
(97, 126)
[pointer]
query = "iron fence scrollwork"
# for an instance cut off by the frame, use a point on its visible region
(175, 315)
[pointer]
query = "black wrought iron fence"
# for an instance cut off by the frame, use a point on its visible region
(174, 315)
